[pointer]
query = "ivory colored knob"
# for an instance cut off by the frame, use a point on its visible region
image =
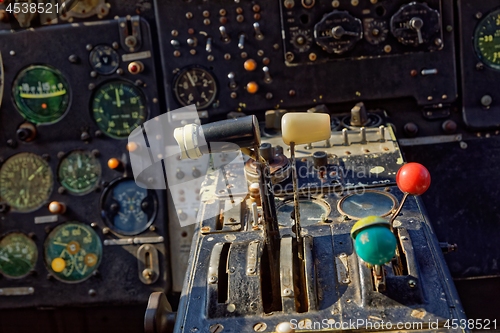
(303, 128)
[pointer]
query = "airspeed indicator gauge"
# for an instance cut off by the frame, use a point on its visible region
(487, 40)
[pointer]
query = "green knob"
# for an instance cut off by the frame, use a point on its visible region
(373, 240)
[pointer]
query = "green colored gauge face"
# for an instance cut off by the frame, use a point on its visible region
(18, 255)
(79, 172)
(127, 208)
(41, 94)
(73, 252)
(487, 40)
(25, 182)
(118, 107)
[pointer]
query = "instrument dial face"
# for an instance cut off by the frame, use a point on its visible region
(376, 31)
(195, 86)
(301, 40)
(79, 172)
(73, 252)
(358, 206)
(104, 59)
(127, 208)
(311, 212)
(415, 24)
(25, 182)
(41, 94)
(338, 32)
(18, 255)
(487, 40)
(118, 107)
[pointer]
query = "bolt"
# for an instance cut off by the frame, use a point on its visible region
(105, 231)
(212, 279)
(251, 270)
(346, 281)
(260, 327)
(479, 66)
(89, 47)
(73, 59)
(343, 255)
(147, 273)
(412, 283)
(463, 145)
(449, 28)
(287, 291)
(92, 292)
(479, 15)
(216, 328)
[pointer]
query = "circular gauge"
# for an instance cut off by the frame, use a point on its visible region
(41, 94)
(25, 182)
(79, 172)
(376, 31)
(196, 86)
(338, 32)
(487, 40)
(301, 40)
(415, 24)
(311, 211)
(127, 208)
(73, 252)
(369, 203)
(18, 255)
(104, 59)
(118, 107)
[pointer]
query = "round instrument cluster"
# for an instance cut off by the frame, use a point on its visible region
(487, 40)
(26, 182)
(195, 85)
(127, 208)
(118, 107)
(79, 172)
(73, 252)
(41, 94)
(18, 255)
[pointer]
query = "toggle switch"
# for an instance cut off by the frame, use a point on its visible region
(258, 33)
(241, 42)
(224, 35)
(208, 46)
(267, 76)
(232, 82)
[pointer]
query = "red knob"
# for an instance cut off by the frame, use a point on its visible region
(413, 178)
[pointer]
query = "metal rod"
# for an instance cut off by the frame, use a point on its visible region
(295, 196)
(396, 213)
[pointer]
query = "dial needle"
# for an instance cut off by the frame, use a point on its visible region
(118, 102)
(5, 259)
(190, 79)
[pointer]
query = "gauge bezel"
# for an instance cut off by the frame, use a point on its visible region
(184, 70)
(63, 158)
(475, 46)
(106, 82)
(352, 217)
(91, 53)
(58, 73)
(110, 225)
(320, 202)
(48, 265)
(11, 232)
(15, 209)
